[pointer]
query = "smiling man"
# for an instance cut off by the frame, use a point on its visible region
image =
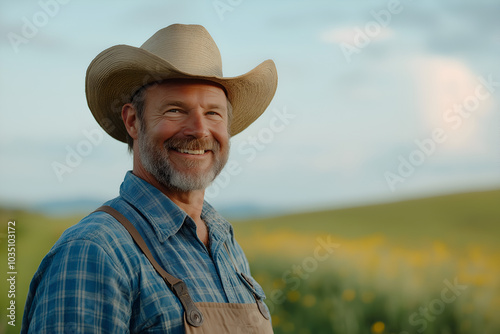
(181, 140)
(158, 258)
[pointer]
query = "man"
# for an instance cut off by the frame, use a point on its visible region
(169, 101)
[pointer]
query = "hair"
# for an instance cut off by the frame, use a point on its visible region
(138, 101)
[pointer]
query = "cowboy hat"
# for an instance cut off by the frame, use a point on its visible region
(175, 52)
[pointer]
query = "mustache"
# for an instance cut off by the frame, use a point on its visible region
(206, 144)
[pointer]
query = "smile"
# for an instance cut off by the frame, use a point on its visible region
(193, 152)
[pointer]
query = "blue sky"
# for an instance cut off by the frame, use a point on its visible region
(376, 101)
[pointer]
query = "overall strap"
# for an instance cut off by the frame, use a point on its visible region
(193, 316)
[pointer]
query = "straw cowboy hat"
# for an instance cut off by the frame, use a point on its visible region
(177, 51)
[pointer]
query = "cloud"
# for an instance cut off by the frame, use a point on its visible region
(452, 97)
(348, 34)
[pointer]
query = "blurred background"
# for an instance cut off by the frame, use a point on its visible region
(382, 139)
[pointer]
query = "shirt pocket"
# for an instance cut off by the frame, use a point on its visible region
(252, 285)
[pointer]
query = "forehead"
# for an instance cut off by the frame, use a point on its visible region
(186, 88)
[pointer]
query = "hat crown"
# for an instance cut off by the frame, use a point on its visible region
(189, 48)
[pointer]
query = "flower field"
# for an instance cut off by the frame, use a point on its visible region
(420, 266)
(435, 271)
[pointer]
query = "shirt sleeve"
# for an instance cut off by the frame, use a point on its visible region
(78, 288)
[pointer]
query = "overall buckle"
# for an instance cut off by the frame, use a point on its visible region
(193, 316)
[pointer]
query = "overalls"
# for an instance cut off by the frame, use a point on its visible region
(204, 317)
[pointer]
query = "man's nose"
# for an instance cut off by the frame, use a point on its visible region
(196, 126)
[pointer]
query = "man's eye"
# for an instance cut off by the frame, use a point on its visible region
(173, 111)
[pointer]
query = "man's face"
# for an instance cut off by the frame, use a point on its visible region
(184, 141)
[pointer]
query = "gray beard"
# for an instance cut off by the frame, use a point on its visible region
(157, 163)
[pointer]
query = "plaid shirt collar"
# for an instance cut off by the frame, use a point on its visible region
(156, 206)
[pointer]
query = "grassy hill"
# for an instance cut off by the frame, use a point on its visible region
(455, 219)
(392, 264)
(392, 259)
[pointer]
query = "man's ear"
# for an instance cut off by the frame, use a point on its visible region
(130, 119)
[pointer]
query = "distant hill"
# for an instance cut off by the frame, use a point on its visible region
(68, 207)
(457, 219)
(85, 205)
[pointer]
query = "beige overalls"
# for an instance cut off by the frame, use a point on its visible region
(208, 318)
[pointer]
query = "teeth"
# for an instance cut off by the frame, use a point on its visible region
(196, 152)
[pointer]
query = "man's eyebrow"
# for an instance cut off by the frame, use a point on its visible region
(173, 103)
(216, 106)
(182, 105)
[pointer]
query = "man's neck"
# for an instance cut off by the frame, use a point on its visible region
(190, 202)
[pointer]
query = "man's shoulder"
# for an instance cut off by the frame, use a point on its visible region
(96, 241)
(98, 228)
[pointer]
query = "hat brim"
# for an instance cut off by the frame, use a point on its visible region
(118, 72)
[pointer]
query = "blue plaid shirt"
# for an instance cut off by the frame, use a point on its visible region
(96, 280)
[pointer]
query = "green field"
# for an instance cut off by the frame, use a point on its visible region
(421, 266)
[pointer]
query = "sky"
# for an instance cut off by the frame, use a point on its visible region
(377, 100)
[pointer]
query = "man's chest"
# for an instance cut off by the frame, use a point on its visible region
(211, 278)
